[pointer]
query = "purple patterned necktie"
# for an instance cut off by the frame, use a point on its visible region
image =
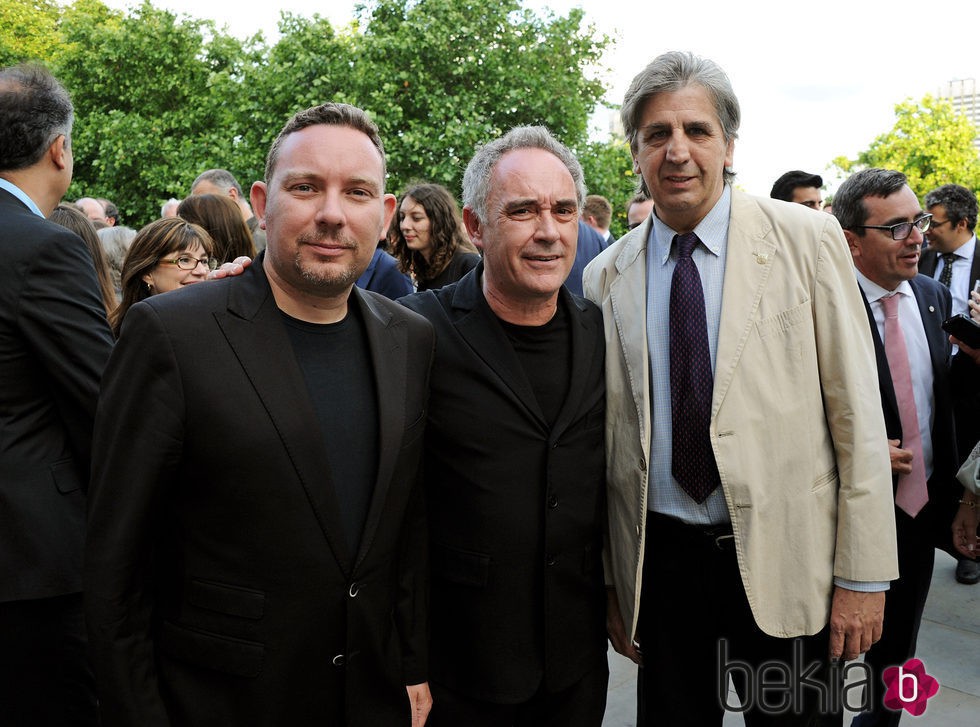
(691, 381)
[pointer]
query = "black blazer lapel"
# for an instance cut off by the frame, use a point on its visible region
(585, 358)
(253, 328)
(478, 326)
(388, 345)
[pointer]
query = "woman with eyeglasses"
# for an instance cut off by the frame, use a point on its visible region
(165, 255)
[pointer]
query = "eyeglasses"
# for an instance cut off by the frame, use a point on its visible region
(902, 230)
(934, 223)
(189, 262)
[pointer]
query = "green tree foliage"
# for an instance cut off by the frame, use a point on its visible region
(159, 98)
(28, 30)
(608, 169)
(929, 143)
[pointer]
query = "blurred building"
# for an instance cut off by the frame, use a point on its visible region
(962, 93)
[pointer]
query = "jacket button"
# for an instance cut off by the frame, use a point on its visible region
(553, 502)
(339, 660)
(643, 464)
(354, 589)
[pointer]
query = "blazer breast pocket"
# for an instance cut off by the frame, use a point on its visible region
(227, 599)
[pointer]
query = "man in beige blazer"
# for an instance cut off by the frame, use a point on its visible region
(786, 558)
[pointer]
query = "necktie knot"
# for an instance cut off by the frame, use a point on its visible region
(890, 305)
(949, 257)
(685, 244)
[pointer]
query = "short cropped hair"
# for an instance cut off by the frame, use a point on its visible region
(784, 186)
(476, 178)
(35, 109)
(329, 114)
(598, 206)
(220, 178)
(849, 207)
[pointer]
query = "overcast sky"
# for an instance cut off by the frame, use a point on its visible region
(815, 80)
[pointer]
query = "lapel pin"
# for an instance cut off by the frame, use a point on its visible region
(932, 309)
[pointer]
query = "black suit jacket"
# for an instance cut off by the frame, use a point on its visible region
(965, 376)
(515, 505)
(929, 261)
(220, 588)
(54, 342)
(383, 276)
(934, 304)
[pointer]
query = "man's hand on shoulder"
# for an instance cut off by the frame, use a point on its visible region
(230, 270)
(855, 622)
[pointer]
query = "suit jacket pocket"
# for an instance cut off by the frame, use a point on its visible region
(211, 651)
(227, 599)
(459, 566)
(66, 477)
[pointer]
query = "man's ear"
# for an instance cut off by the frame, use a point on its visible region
(258, 196)
(58, 152)
(852, 243)
(473, 227)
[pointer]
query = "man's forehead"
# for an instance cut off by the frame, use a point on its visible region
(532, 172)
(900, 203)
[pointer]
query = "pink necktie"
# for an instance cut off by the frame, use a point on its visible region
(912, 493)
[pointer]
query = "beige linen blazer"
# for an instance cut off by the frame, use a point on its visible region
(796, 422)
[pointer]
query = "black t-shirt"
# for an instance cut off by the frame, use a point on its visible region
(336, 364)
(545, 352)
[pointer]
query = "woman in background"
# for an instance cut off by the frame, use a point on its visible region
(165, 255)
(429, 240)
(220, 216)
(70, 217)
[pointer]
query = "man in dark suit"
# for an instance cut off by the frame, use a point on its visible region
(884, 225)
(514, 462)
(256, 547)
(55, 342)
(383, 276)
(951, 259)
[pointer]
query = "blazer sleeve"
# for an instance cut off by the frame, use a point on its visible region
(866, 545)
(136, 447)
(62, 318)
(412, 607)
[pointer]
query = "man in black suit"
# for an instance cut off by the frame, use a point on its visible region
(256, 548)
(54, 342)
(951, 259)
(514, 461)
(884, 225)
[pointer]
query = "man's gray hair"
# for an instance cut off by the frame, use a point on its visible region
(849, 207)
(476, 179)
(35, 109)
(671, 72)
(221, 178)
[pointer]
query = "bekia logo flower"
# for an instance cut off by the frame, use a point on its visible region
(909, 687)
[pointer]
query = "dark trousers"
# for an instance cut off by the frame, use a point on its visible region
(45, 676)
(696, 629)
(904, 603)
(581, 705)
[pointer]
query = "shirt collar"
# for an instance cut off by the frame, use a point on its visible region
(874, 292)
(21, 195)
(712, 230)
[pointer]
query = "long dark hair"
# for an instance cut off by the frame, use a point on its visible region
(68, 216)
(447, 235)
